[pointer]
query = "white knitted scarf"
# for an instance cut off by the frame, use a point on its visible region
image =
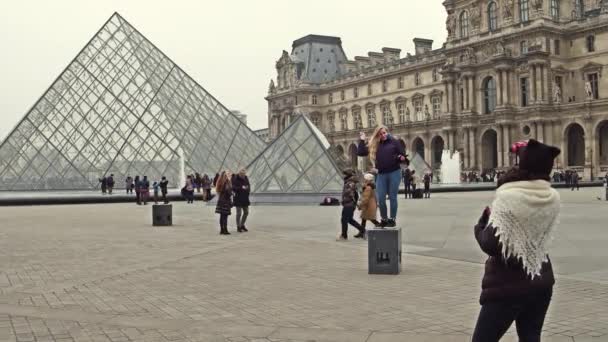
(525, 213)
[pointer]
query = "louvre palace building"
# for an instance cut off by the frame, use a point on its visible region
(509, 71)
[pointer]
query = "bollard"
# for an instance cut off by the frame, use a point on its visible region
(162, 215)
(384, 251)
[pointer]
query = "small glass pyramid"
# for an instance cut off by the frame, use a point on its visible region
(122, 107)
(297, 161)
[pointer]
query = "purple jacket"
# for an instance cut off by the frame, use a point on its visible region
(387, 155)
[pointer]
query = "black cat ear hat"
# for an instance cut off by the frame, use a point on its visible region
(537, 158)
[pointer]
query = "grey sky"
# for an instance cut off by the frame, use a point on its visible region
(229, 47)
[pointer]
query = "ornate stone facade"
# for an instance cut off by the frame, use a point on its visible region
(509, 70)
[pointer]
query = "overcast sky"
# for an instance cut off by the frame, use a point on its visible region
(229, 47)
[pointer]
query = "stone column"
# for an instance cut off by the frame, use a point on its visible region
(453, 140)
(472, 97)
(499, 145)
(542, 95)
(506, 137)
(499, 87)
(467, 150)
(532, 84)
(540, 131)
(473, 147)
(508, 101)
(446, 106)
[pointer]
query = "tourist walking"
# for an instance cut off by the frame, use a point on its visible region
(241, 188)
(129, 184)
(386, 155)
(427, 185)
(155, 188)
(223, 188)
(518, 281)
(104, 185)
(206, 184)
(413, 182)
(144, 190)
(574, 180)
(163, 188)
(137, 186)
(406, 175)
(217, 175)
(368, 204)
(197, 181)
(189, 189)
(349, 203)
(110, 182)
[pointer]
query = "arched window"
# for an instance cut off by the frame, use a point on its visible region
(464, 24)
(489, 95)
(492, 16)
(555, 9)
(524, 10)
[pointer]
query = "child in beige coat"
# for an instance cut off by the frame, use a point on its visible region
(368, 204)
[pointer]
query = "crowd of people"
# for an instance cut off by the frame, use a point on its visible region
(233, 191)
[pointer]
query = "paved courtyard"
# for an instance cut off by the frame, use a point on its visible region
(103, 273)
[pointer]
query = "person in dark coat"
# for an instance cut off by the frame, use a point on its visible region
(241, 188)
(144, 190)
(137, 185)
(574, 180)
(206, 183)
(386, 154)
(163, 188)
(104, 184)
(349, 204)
(223, 188)
(518, 281)
(217, 175)
(407, 175)
(197, 181)
(110, 182)
(427, 185)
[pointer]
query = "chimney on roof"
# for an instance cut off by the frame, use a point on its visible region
(423, 45)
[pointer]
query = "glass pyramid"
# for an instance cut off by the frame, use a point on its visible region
(418, 164)
(297, 161)
(122, 107)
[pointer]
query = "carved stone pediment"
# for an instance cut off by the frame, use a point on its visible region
(592, 66)
(417, 96)
(401, 99)
(436, 92)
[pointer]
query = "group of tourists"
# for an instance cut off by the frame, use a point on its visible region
(107, 184)
(232, 191)
(141, 187)
(415, 186)
(517, 285)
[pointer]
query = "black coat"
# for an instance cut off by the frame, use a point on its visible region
(241, 188)
(224, 200)
(504, 279)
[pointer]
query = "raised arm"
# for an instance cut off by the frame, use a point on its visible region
(486, 235)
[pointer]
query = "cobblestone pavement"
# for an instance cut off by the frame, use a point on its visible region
(103, 273)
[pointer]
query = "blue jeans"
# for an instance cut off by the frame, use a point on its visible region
(388, 183)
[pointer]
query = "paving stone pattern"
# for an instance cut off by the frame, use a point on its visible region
(103, 273)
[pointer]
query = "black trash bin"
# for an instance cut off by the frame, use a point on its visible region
(162, 215)
(384, 251)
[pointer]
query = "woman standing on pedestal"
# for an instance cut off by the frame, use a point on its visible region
(386, 154)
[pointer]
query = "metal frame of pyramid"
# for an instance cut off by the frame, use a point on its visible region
(284, 152)
(121, 106)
